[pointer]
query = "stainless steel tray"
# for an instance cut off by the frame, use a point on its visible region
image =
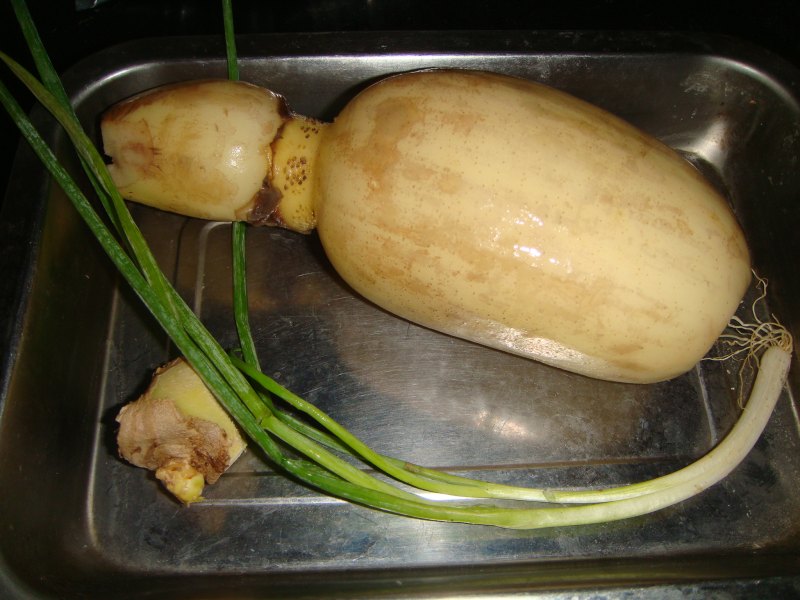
(77, 522)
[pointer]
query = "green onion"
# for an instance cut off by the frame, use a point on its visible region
(319, 463)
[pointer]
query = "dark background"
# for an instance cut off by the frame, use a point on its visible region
(71, 34)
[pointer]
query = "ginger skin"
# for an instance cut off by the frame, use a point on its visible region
(177, 429)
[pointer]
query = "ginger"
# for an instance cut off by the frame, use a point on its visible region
(177, 429)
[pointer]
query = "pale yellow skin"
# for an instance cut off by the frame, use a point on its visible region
(215, 149)
(507, 213)
(519, 217)
(201, 149)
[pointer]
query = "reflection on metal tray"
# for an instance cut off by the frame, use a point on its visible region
(78, 522)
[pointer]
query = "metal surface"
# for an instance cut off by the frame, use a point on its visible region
(78, 522)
